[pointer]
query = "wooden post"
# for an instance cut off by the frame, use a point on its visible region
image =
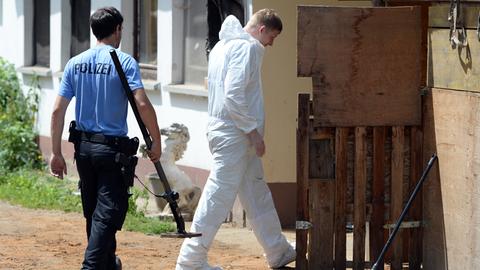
(321, 197)
(415, 243)
(378, 196)
(302, 179)
(360, 186)
(398, 141)
(341, 141)
(320, 248)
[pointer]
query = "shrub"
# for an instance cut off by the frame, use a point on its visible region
(18, 147)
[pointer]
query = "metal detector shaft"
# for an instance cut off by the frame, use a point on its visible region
(404, 212)
(170, 196)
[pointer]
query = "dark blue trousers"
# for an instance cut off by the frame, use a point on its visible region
(104, 200)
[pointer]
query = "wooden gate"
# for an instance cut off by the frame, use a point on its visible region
(359, 140)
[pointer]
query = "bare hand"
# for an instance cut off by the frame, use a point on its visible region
(257, 141)
(155, 152)
(58, 167)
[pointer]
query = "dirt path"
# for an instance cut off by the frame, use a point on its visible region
(38, 239)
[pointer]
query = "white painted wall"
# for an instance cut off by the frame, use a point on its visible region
(11, 31)
(60, 31)
(170, 41)
(190, 110)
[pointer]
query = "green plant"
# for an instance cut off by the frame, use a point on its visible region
(137, 221)
(147, 225)
(9, 87)
(18, 146)
(35, 189)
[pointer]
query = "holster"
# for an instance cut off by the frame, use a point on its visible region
(73, 136)
(128, 167)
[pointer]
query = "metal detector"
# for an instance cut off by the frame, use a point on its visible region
(379, 261)
(169, 195)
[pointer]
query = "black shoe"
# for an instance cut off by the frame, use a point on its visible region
(118, 263)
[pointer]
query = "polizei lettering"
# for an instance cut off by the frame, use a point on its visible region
(92, 68)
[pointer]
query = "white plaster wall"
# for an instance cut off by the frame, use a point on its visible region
(126, 8)
(60, 32)
(11, 31)
(26, 35)
(170, 41)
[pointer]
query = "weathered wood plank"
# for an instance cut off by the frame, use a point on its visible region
(319, 133)
(438, 15)
(357, 79)
(341, 151)
(378, 197)
(450, 68)
(398, 142)
(321, 159)
(434, 242)
(415, 241)
(457, 133)
(360, 189)
(302, 179)
(320, 248)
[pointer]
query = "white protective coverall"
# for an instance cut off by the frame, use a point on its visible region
(235, 108)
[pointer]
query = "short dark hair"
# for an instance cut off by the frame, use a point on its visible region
(104, 21)
(269, 18)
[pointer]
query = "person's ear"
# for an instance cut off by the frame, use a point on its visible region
(262, 29)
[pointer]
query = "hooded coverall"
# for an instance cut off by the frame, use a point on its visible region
(235, 108)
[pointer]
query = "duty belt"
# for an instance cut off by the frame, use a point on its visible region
(102, 139)
(124, 144)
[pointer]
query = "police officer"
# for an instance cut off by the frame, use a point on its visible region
(103, 152)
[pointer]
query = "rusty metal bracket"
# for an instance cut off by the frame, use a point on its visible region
(303, 225)
(404, 225)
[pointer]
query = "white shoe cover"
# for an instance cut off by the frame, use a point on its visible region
(286, 258)
(206, 266)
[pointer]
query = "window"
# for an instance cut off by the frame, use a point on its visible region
(41, 33)
(217, 11)
(202, 24)
(145, 37)
(195, 59)
(80, 26)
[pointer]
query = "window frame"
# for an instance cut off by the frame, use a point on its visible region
(147, 70)
(189, 60)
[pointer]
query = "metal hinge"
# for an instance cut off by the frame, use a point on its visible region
(302, 225)
(424, 91)
(404, 225)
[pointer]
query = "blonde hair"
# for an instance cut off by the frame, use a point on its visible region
(267, 17)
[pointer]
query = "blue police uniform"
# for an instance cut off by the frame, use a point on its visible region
(104, 154)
